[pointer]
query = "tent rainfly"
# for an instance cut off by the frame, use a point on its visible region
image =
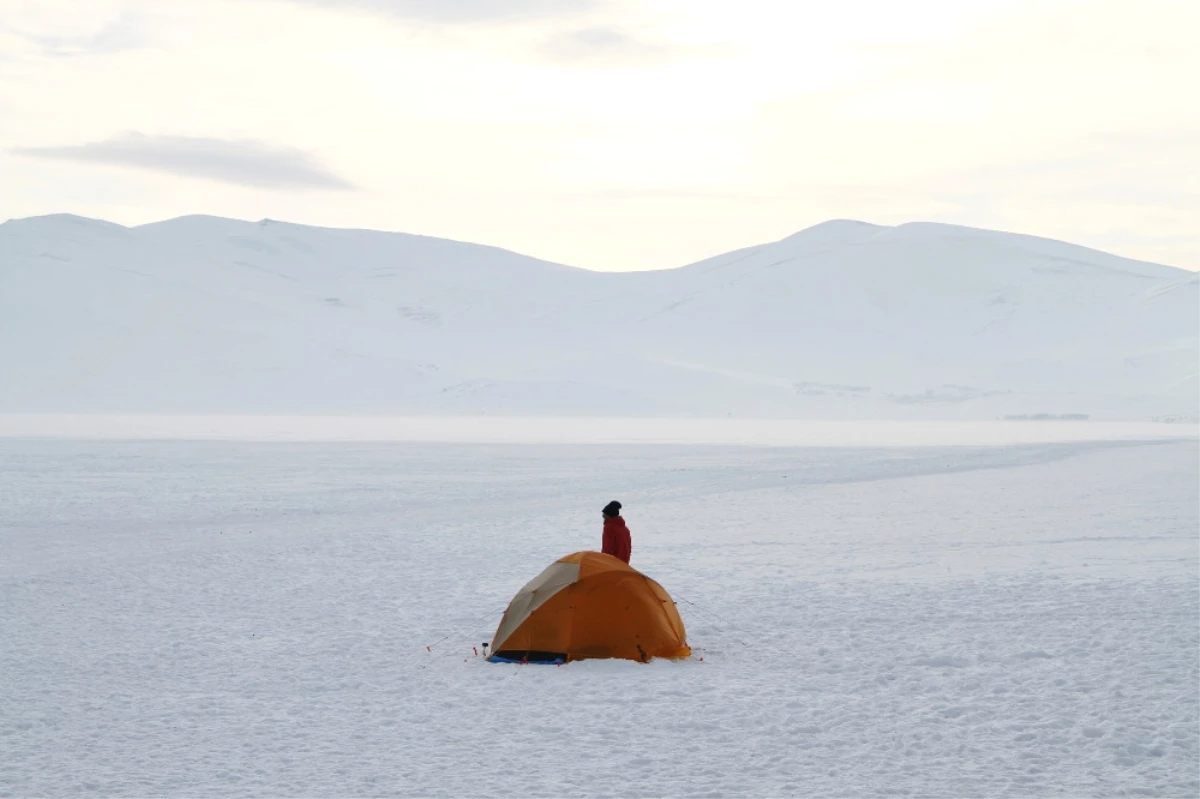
(590, 605)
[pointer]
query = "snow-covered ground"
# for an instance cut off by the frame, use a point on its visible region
(225, 618)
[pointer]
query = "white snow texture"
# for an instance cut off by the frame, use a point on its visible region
(220, 618)
(843, 320)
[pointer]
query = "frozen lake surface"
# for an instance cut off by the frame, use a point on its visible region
(250, 618)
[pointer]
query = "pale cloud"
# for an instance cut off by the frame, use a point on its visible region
(575, 33)
(674, 193)
(242, 163)
(603, 44)
(49, 29)
(459, 12)
(610, 47)
(119, 35)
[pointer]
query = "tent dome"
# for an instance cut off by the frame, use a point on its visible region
(590, 605)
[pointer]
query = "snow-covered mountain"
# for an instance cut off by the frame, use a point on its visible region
(845, 319)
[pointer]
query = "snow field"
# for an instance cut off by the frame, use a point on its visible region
(250, 619)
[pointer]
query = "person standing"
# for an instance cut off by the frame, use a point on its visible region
(616, 535)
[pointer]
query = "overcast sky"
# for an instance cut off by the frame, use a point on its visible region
(609, 134)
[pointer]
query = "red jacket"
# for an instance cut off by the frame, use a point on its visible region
(616, 539)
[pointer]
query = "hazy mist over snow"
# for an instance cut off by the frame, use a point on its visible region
(844, 319)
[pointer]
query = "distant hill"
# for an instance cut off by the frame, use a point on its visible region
(842, 320)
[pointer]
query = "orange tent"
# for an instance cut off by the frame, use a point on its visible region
(590, 605)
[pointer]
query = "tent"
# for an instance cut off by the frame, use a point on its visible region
(590, 605)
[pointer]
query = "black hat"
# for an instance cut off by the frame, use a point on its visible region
(612, 509)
